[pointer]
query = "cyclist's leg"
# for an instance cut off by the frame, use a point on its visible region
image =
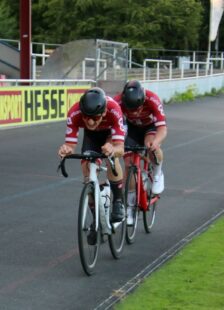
(116, 185)
(92, 141)
(158, 176)
(117, 238)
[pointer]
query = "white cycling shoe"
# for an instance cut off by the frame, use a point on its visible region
(158, 184)
(130, 219)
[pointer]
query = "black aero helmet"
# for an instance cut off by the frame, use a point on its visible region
(133, 95)
(93, 102)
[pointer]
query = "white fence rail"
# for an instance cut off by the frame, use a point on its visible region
(217, 59)
(40, 82)
(158, 62)
(208, 66)
(45, 48)
(162, 69)
(84, 66)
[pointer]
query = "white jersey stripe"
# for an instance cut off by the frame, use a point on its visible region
(160, 124)
(116, 137)
(67, 139)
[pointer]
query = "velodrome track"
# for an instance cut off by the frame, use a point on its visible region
(39, 260)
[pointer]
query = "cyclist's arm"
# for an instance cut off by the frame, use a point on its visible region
(160, 136)
(66, 149)
(115, 148)
(161, 133)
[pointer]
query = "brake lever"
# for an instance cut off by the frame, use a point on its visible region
(112, 163)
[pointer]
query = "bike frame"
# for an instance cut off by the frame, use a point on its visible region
(142, 197)
(142, 201)
(99, 208)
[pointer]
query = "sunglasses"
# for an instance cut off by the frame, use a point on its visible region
(94, 117)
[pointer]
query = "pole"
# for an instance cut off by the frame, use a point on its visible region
(217, 44)
(25, 39)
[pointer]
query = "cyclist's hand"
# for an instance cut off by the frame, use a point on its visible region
(107, 149)
(153, 146)
(65, 149)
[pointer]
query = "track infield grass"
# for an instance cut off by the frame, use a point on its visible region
(192, 280)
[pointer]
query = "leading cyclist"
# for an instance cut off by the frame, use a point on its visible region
(146, 124)
(101, 118)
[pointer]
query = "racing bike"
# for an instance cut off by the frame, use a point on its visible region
(138, 193)
(95, 204)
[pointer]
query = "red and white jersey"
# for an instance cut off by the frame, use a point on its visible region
(151, 113)
(113, 120)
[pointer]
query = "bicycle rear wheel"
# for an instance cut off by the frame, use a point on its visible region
(150, 214)
(116, 239)
(86, 225)
(131, 202)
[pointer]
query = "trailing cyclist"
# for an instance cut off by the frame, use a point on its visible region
(102, 120)
(146, 124)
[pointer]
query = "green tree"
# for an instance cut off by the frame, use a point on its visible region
(142, 23)
(8, 21)
(170, 24)
(180, 23)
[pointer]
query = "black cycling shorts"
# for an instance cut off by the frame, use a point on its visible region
(136, 135)
(93, 140)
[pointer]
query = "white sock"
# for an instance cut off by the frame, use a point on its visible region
(131, 198)
(157, 169)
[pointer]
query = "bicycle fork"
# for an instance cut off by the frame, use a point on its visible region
(100, 215)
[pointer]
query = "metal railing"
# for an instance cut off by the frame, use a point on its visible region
(217, 59)
(45, 48)
(169, 71)
(97, 62)
(158, 62)
(41, 82)
(208, 67)
(187, 69)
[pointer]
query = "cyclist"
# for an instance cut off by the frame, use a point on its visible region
(102, 120)
(146, 125)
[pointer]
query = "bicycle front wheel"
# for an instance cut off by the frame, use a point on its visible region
(131, 205)
(88, 237)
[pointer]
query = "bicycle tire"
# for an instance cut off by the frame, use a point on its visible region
(131, 230)
(149, 215)
(117, 238)
(88, 253)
